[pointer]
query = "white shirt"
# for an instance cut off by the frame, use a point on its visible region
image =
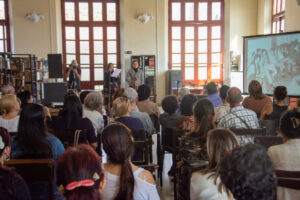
(205, 189)
(11, 125)
(221, 110)
(286, 157)
(142, 189)
(96, 118)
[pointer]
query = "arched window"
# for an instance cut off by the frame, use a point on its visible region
(91, 30)
(4, 27)
(196, 40)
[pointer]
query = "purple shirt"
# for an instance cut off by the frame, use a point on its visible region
(214, 99)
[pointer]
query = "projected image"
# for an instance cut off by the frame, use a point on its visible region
(274, 61)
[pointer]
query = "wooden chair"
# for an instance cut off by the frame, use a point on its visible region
(267, 141)
(271, 127)
(247, 135)
(35, 170)
(71, 137)
(288, 179)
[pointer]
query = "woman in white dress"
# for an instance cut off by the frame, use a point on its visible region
(10, 108)
(206, 184)
(124, 180)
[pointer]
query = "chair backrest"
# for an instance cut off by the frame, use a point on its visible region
(270, 125)
(138, 135)
(35, 170)
(267, 141)
(13, 134)
(288, 179)
(141, 149)
(71, 137)
(155, 122)
(250, 132)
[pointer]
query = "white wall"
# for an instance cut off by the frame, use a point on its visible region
(292, 16)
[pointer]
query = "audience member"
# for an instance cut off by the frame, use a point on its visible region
(192, 148)
(121, 110)
(238, 117)
(286, 156)
(212, 92)
(248, 173)
(79, 174)
(132, 95)
(182, 92)
(91, 110)
(275, 110)
(169, 118)
(32, 141)
(71, 119)
(10, 108)
(256, 99)
(187, 122)
(124, 180)
(206, 184)
(12, 186)
(7, 89)
(25, 98)
(83, 94)
(223, 108)
(144, 104)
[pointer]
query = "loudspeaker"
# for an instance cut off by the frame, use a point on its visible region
(54, 92)
(173, 80)
(55, 65)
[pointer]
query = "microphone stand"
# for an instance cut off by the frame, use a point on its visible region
(109, 91)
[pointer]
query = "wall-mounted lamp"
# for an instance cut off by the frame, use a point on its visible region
(34, 17)
(144, 18)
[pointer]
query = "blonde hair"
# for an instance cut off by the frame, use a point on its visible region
(120, 106)
(7, 103)
(219, 142)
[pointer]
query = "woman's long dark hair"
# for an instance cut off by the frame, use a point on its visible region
(32, 133)
(118, 144)
(77, 164)
(72, 111)
(5, 172)
(204, 113)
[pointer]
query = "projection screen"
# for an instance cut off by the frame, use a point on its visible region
(273, 60)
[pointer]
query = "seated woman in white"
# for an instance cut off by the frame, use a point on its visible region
(286, 156)
(124, 180)
(10, 108)
(206, 184)
(91, 110)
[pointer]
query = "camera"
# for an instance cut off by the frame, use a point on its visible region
(74, 66)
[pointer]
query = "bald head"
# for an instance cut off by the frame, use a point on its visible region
(234, 96)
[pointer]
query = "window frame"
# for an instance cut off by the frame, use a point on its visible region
(209, 23)
(5, 23)
(278, 16)
(92, 83)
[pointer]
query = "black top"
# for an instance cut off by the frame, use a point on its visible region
(108, 79)
(74, 82)
(15, 184)
(277, 112)
(59, 123)
(133, 124)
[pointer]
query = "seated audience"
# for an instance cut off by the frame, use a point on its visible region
(286, 156)
(132, 95)
(25, 98)
(206, 184)
(274, 111)
(83, 94)
(182, 92)
(169, 118)
(248, 173)
(79, 174)
(223, 108)
(238, 117)
(124, 180)
(32, 141)
(256, 99)
(12, 186)
(212, 94)
(121, 110)
(7, 89)
(91, 110)
(187, 122)
(10, 108)
(192, 148)
(71, 119)
(144, 104)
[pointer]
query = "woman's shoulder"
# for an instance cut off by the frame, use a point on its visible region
(146, 176)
